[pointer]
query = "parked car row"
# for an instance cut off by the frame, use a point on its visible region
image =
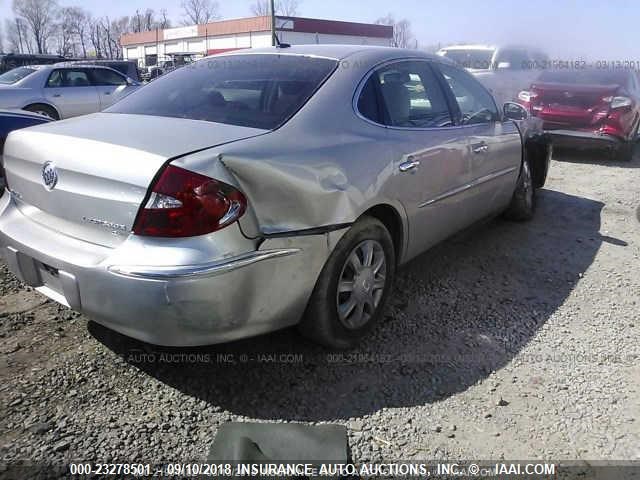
(63, 90)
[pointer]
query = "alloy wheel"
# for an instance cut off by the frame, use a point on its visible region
(361, 284)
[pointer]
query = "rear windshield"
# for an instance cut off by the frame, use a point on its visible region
(472, 58)
(15, 75)
(585, 76)
(259, 91)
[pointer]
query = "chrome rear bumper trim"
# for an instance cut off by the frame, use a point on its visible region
(205, 270)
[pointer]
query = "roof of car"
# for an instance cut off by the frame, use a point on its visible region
(78, 64)
(469, 47)
(335, 52)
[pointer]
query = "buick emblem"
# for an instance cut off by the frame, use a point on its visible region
(49, 176)
(568, 95)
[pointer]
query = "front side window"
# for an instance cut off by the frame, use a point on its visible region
(475, 103)
(15, 75)
(68, 78)
(259, 91)
(104, 77)
(410, 95)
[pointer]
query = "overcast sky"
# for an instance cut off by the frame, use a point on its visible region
(595, 28)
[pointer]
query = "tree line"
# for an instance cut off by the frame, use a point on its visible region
(45, 27)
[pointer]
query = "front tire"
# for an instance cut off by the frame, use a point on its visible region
(523, 202)
(353, 287)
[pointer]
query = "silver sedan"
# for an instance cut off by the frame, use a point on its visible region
(63, 90)
(254, 191)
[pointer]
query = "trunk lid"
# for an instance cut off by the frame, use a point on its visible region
(103, 165)
(562, 105)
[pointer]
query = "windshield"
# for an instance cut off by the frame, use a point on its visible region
(585, 77)
(259, 91)
(15, 75)
(471, 58)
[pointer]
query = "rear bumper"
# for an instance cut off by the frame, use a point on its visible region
(193, 303)
(571, 138)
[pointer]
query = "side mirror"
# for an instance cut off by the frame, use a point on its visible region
(504, 65)
(515, 111)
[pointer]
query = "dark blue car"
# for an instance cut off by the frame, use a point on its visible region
(13, 120)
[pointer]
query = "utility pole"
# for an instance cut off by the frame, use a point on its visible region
(273, 23)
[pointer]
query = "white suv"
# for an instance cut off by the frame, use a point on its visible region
(505, 70)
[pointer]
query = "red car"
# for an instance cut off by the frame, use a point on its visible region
(588, 107)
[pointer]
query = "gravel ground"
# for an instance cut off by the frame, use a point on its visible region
(516, 341)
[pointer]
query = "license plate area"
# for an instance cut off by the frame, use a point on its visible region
(50, 277)
(50, 283)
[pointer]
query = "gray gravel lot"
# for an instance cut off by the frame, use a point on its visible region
(516, 341)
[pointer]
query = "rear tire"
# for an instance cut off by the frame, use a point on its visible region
(624, 153)
(42, 109)
(353, 287)
(523, 203)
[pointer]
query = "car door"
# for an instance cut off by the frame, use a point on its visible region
(71, 91)
(111, 86)
(429, 152)
(494, 146)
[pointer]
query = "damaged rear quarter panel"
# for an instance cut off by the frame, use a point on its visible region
(324, 167)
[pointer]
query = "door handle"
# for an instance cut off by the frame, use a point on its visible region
(409, 165)
(56, 95)
(107, 93)
(480, 147)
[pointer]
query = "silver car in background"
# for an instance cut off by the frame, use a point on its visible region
(254, 191)
(63, 90)
(505, 70)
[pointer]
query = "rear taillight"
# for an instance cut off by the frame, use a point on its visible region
(618, 102)
(186, 204)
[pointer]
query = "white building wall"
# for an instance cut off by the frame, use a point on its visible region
(244, 40)
(300, 38)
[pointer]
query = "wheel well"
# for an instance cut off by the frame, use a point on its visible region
(391, 219)
(44, 105)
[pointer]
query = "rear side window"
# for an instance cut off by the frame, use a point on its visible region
(410, 94)
(368, 105)
(259, 91)
(68, 78)
(15, 75)
(104, 77)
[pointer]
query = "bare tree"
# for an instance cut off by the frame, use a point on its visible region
(17, 38)
(79, 24)
(197, 12)
(402, 34)
(66, 45)
(149, 20)
(136, 22)
(287, 8)
(1, 40)
(164, 21)
(40, 16)
(96, 37)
